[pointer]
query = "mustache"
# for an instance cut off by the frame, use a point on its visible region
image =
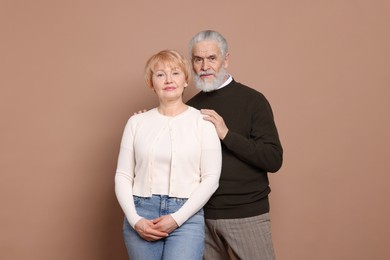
(208, 72)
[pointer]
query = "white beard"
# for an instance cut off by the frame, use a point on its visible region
(207, 86)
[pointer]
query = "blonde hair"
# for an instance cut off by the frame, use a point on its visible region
(168, 57)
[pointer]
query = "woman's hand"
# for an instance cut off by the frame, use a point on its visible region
(165, 224)
(149, 231)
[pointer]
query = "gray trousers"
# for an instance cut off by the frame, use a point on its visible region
(243, 239)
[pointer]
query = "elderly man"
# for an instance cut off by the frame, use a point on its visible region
(237, 215)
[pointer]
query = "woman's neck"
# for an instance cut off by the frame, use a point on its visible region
(172, 109)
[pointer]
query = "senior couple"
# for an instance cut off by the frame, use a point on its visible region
(192, 177)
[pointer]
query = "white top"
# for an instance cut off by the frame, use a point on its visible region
(162, 167)
(193, 160)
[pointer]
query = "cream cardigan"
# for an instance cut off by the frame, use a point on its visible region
(195, 164)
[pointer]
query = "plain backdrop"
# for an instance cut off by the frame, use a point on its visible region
(71, 74)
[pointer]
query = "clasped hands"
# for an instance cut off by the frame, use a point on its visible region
(152, 230)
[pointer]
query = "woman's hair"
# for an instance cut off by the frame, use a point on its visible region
(209, 35)
(167, 57)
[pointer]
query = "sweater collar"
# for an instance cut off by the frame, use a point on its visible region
(227, 82)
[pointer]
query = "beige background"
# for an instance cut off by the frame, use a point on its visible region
(71, 73)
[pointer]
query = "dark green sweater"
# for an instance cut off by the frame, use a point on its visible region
(250, 150)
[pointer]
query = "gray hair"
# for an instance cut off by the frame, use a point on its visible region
(210, 35)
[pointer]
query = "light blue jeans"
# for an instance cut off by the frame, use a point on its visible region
(186, 242)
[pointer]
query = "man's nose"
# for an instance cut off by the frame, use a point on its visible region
(205, 64)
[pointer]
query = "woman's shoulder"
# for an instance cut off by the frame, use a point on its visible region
(195, 113)
(141, 115)
(199, 118)
(193, 109)
(141, 118)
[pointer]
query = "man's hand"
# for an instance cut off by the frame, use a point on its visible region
(217, 120)
(165, 223)
(147, 230)
(140, 111)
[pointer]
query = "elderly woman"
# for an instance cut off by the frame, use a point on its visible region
(168, 167)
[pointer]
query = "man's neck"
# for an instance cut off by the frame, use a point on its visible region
(228, 79)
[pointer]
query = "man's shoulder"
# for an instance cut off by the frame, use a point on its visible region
(195, 98)
(245, 90)
(234, 89)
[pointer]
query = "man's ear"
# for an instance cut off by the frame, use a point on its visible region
(226, 61)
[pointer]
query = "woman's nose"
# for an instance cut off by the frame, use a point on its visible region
(168, 79)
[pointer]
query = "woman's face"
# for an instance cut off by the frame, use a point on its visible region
(168, 82)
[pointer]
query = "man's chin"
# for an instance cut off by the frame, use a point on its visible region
(210, 83)
(206, 87)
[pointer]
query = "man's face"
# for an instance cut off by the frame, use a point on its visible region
(209, 65)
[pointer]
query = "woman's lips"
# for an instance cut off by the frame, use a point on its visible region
(169, 88)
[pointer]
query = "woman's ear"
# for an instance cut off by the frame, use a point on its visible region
(152, 87)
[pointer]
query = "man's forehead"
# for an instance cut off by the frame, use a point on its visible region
(205, 53)
(206, 48)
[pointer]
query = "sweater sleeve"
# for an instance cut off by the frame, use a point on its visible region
(124, 176)
(210, 170)
(263, 148)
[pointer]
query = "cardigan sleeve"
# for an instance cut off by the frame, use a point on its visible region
(210, 170)
(124, 176)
